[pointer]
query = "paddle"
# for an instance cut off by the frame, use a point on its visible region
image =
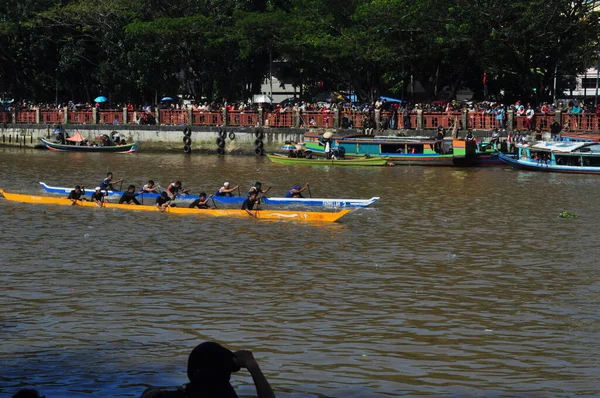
(213, 200)
(309, 193)
(239, 194)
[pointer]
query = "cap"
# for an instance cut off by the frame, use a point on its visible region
(297, 187)
(225, 184)
(97, 188)
(211, 363)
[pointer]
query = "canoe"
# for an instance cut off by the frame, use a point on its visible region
(326, 202)
(267, 214)
(284, 159)
(128, 148)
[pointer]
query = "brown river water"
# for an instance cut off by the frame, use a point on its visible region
(458, 282)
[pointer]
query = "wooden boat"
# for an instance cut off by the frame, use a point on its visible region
(424, 151)
(556, 156)
(326, 202)
(268, 214)
(127, 148)
(322, 161)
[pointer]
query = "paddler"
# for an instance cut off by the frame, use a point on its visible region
(251, 201)
(98, 197)
(77, 194)
(149, 187)
(163, 201)
(128, 196)
(296, 192)
(257, 189)
(225, 190)
(107, 183)
(201, 202)
(175, 188)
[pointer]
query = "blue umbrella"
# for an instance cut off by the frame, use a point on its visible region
(167, 99)
(390, 99)
(100, 99)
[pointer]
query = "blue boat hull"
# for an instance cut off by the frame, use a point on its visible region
(518, 163)
(238, 200)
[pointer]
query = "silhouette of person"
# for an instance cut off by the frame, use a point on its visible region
(27, 393)
(209, 369)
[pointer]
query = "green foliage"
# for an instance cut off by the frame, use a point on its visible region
(140, 50)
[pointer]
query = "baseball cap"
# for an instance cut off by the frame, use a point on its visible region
(97, 189)
(225, 184)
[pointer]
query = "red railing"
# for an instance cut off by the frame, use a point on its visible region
(5, 117)
(316, 119)
(26, 117)
(52, 117)
(354, 119)
(132, 117)
(581, 122)
(242, 118)
(279, 119)
(110, 117)
(174, 118)
(207, 118)
(83, 117)
(480, 121)
(432, 121)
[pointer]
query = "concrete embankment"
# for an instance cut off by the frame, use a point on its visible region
(237, 140)
(160, 138)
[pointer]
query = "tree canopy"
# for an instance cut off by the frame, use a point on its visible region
(139, 50)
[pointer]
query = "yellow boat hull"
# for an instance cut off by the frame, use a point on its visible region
(267, 214)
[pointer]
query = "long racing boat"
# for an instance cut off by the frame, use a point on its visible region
(317, 216)
(238, 200)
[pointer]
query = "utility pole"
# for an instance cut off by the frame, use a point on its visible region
(597, 77)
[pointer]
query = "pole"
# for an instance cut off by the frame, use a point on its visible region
(597, 80)
(270, 74)
(554, 86)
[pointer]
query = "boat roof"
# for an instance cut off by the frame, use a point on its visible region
(562, 146)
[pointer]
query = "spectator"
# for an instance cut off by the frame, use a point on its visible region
(209, 369)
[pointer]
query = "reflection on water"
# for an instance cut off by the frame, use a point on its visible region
(458, 282)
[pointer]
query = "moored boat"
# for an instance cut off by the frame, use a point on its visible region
(267, 214)
(578, 157)
(323, 161)
(325, 202)
(127, 148)
(424, 151)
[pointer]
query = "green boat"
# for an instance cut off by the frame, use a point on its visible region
(284, 159)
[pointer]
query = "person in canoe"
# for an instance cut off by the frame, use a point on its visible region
(225, 190)
(201, 202)
(257, 189)
(296, 192)
(77, 194)
(128, 197)
(163, 201)
(150, 187)
(252, 200)
(98, 197)
(107, 183)
(175, 188)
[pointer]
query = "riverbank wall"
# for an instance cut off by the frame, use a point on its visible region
(232, 140)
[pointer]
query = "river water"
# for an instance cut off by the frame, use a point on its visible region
(458, 282)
